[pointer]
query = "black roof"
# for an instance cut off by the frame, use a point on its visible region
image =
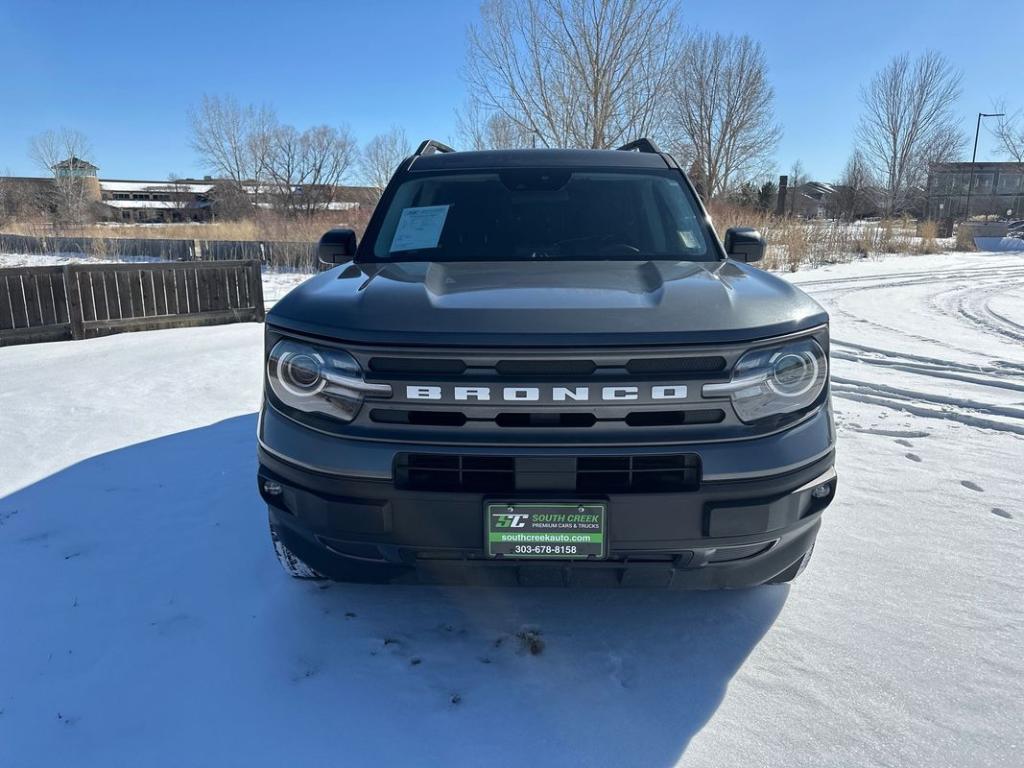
(538, 158)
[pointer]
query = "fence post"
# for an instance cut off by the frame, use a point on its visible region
(256, 290)
(74, 294)
(198, 250)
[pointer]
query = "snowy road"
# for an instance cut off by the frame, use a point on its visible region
(143, 620)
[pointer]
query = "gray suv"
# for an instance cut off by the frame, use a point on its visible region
(543, 367)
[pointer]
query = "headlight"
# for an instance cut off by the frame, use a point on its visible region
(319, 380)
(775, 380)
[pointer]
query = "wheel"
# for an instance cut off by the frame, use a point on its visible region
(291, 563)
(794, 570)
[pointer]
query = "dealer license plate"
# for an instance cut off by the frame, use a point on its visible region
(555, 530)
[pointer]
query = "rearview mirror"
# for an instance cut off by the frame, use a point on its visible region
(337, 246)
(744, 244)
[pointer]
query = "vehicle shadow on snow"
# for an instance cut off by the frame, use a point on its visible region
(151, 571)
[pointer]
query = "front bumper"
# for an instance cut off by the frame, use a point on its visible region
(727, 533)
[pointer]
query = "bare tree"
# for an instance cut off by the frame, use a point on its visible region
(766, 196)
(722, 110)
(574, 73)
(853, 197)
(1009, 132)
(479, 128)
(305, 168)
(797, 178)
(181, 196)
(234, 141)
(66, 154)
(797, 174)
(8, 197)
(381, 157)
(909, 121)
(285, 163)
(228, 200)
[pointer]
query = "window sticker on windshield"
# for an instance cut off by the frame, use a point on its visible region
(419, 228)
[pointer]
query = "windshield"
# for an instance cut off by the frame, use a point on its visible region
(551, 214)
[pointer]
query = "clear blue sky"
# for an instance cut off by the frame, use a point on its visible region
(124, 73)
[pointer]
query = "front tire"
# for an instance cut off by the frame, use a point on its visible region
(292, 564)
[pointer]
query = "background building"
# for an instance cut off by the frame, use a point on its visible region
(997, 189)
(173, 200)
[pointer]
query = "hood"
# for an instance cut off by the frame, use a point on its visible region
(598, 303)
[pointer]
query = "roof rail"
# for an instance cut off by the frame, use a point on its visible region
(429, 147)
(640, 145)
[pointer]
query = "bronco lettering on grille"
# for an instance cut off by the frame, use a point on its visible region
(557, 394)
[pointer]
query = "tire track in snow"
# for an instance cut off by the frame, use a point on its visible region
(900, 279)
(994, 280)
(1000, 317)
(974, 306)
(997, 367)
(916, 407)
(841, 384)
(935, 372)
(962, 294)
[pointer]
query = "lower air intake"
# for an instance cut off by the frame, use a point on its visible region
(454, 473)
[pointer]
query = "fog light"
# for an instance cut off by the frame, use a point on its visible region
(822, 491)
(271, 488)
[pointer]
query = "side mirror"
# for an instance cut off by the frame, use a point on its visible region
(336, 247)
(744, 244)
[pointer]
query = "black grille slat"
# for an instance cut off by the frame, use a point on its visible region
(429, 472)
(674, 418)
(705, 416)
(433, 461)
(728, 554)
(488, 463)
(676, 461)
(542, 369)
(545, 419)
(416, 365)
(648, 365)
(602, 464)
(418, 418)
(594, 474)
(539, 368)
(526, 420)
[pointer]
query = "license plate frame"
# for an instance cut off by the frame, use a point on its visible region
(531, 529)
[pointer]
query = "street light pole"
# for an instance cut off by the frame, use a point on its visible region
(974, 156)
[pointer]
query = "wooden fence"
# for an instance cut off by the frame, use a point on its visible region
(81, 301)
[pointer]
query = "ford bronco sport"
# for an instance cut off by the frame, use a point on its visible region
(543, 367)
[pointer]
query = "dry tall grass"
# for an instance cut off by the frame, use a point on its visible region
(793, 243)
(965, 239)
(265, 227)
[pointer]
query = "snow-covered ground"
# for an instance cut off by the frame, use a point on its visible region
(60, 259)
(144, 621)
(276, 283)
